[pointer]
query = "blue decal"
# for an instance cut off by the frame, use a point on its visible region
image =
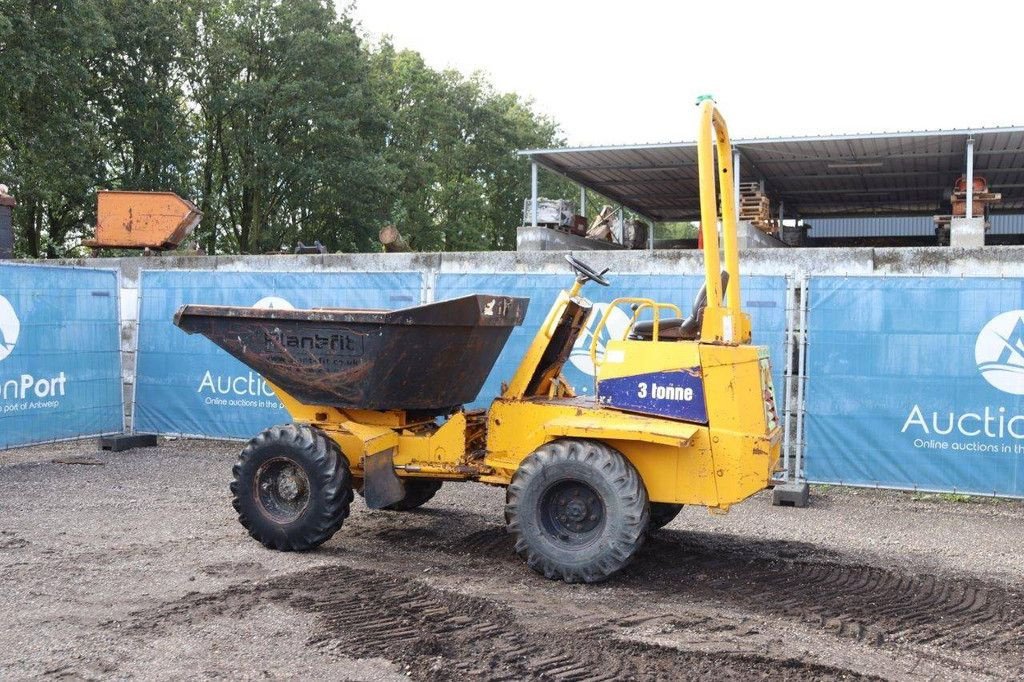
(678, 394)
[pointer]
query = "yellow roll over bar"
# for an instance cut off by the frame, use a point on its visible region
(728, 324)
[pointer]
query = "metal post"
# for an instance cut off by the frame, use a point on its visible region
(782, 211)
(802, 376)
(650, 236)
(533, 193)
(736, 179)
(970, 178)
(583, 201)
(787, 402)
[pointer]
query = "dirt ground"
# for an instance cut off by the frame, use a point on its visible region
(120, 565)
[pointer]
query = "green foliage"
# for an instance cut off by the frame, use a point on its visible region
(275, 117)
(449, 145)
(956, 498)
(52, 147)
(683, 230)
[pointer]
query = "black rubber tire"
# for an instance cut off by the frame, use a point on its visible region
(418, 492)
(614, 495)
(325, 479)
(662, 514)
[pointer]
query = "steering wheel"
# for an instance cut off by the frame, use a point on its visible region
(586, 273)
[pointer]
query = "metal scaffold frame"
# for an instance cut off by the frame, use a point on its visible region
(791, 488)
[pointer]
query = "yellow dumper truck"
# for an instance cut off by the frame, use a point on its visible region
(683, 411)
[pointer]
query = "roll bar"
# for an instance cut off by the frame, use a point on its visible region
(728, 324)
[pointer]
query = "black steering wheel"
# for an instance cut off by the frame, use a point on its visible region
(585, 273)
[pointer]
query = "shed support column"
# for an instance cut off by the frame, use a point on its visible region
(968, 231)
(736, 179)
(583, 201)
(970, 178)
(533, 193)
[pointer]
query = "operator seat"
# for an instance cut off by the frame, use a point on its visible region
(676, 328)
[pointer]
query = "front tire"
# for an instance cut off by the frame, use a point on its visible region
(578, 511)
(292, 488)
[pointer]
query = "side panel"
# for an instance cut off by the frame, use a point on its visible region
(676, 394)
(655, 378)
(682, 475)
(746, 447)
(732, 385)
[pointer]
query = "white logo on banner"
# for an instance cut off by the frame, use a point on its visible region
(999, 352)
(10, 328)
(273, 303)
(615, 328)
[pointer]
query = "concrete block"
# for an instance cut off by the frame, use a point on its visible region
(127, 441)
(749, 237)
(529, 238)
(792, 494)
(965, 233)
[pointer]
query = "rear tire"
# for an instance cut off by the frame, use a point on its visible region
(578, 511)
(662, 514)
(291, 488)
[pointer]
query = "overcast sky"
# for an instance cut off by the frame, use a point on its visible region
(629, 71)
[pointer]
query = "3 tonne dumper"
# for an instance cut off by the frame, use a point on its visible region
(683, 410)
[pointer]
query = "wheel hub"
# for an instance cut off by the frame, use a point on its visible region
(282, 489)
(572, 511)
(288, 485)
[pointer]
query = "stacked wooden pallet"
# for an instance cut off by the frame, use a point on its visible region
(755, 207)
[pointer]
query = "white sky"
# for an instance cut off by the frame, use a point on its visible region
(629, 71)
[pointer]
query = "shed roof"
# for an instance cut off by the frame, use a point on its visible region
(903, 173)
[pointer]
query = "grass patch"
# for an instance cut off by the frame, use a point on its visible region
(957, 498)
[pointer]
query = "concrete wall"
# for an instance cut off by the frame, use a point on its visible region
(990, 261)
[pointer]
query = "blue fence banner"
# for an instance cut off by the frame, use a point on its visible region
(187, 385)
(60, 354)
(916, 383)
(764, 298)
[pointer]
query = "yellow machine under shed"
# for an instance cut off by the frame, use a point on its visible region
(683, 411)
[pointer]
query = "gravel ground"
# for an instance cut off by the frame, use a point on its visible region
(119, 565)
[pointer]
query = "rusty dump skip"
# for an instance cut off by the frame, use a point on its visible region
(143, 220)
(429, 358)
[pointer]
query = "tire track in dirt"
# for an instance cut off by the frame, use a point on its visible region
(443, 635)
(437, 634)
(875, 605)
(869, 603)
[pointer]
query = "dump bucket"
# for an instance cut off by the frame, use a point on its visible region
(143, 220)
(430, 358)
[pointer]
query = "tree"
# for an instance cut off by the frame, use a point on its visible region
(280, 93)
(455, 181)
(52, 147)
(274, 116)
(146, 128)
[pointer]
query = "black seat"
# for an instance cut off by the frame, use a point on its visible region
(676, 327)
